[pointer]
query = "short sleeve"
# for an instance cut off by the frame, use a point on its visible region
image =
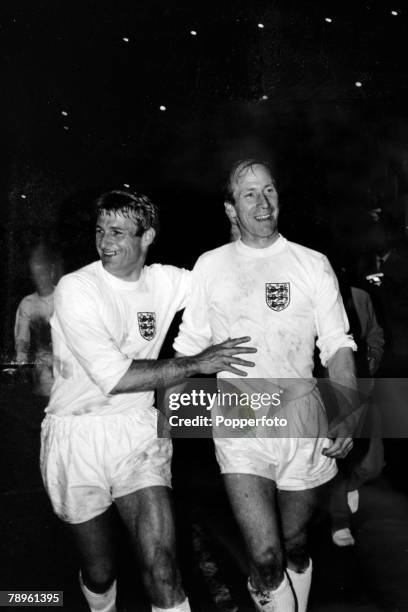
(330, 316)
(78, 320)
(195, 333)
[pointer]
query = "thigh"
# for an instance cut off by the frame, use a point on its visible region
(296, 509)
(253, 502)
(149, 519)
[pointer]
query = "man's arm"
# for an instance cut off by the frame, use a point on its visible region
(375, 339)
(342, 372)
(336, 353)
(83, 331)
(22, 334)
(147, 374)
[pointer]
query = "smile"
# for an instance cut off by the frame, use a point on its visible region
(263, 217)
(109, 253)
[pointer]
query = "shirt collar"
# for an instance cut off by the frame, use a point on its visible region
(269, 251)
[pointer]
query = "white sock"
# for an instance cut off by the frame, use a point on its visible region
(184, 606)
(99, 602)
(352, 500)
(343, 537)
(273, 600)
(301, 582)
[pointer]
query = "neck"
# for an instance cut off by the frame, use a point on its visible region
(260, 242)
(45, 292)
(130, 275)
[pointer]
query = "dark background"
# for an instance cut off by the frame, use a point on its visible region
(286, 91)
(339, 149)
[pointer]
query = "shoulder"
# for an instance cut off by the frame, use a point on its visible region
(313, 263)
(360, 296)
(169, 278)
(84, 280)
(173, 273)
(27, 302)
(306, 253)
(215, 256)
(29, 299)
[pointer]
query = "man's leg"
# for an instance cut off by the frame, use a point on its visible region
(340, 513)
(148, 516)
(95, 541)
(296, 510)
(253, 501)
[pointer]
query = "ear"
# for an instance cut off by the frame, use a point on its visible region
(230, 212)
(148, 237)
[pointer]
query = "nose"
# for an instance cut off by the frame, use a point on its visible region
(263, 200)
(105, 241)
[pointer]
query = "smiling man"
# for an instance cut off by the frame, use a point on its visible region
(99, 438)
(284, 296)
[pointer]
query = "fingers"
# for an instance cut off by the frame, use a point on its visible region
(230, 368)
(243, 349)
(243, 362)
(339, 448)
(235, 341)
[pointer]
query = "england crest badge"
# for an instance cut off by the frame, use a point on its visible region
(147, 324)
(277, 295)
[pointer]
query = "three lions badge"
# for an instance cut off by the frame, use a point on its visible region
(277, 295)
(147, 324)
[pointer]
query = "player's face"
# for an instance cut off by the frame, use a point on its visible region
(118, 246)
(256, 207)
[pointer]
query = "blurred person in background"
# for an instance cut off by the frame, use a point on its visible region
(32, 331)
(383, 272)
(366, 459)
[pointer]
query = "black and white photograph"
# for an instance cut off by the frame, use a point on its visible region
(204, 314)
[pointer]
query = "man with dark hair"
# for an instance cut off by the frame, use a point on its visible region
(99, 438)
(284, 296)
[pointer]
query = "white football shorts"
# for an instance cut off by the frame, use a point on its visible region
(292, 456)
(88, 461)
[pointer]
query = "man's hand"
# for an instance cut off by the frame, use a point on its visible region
(339, 448)
(221, 357)
(148, 374)
(373, 365)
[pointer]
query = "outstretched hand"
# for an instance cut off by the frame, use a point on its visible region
(223, 357)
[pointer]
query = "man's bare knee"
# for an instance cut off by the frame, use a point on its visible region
(98, 577)
(297, 555)
(268, 567)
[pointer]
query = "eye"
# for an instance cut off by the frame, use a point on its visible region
(270, 190)
(249, 195)
(117, 233)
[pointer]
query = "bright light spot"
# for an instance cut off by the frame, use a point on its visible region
(395, 13)
(162, 108)
(64, 113)
(261, 26)
(125, 39)
(328, 19)
(23, 196)
(358, 84)
(126, 185)
(264, 97)
(193, 33)
(66, 127)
